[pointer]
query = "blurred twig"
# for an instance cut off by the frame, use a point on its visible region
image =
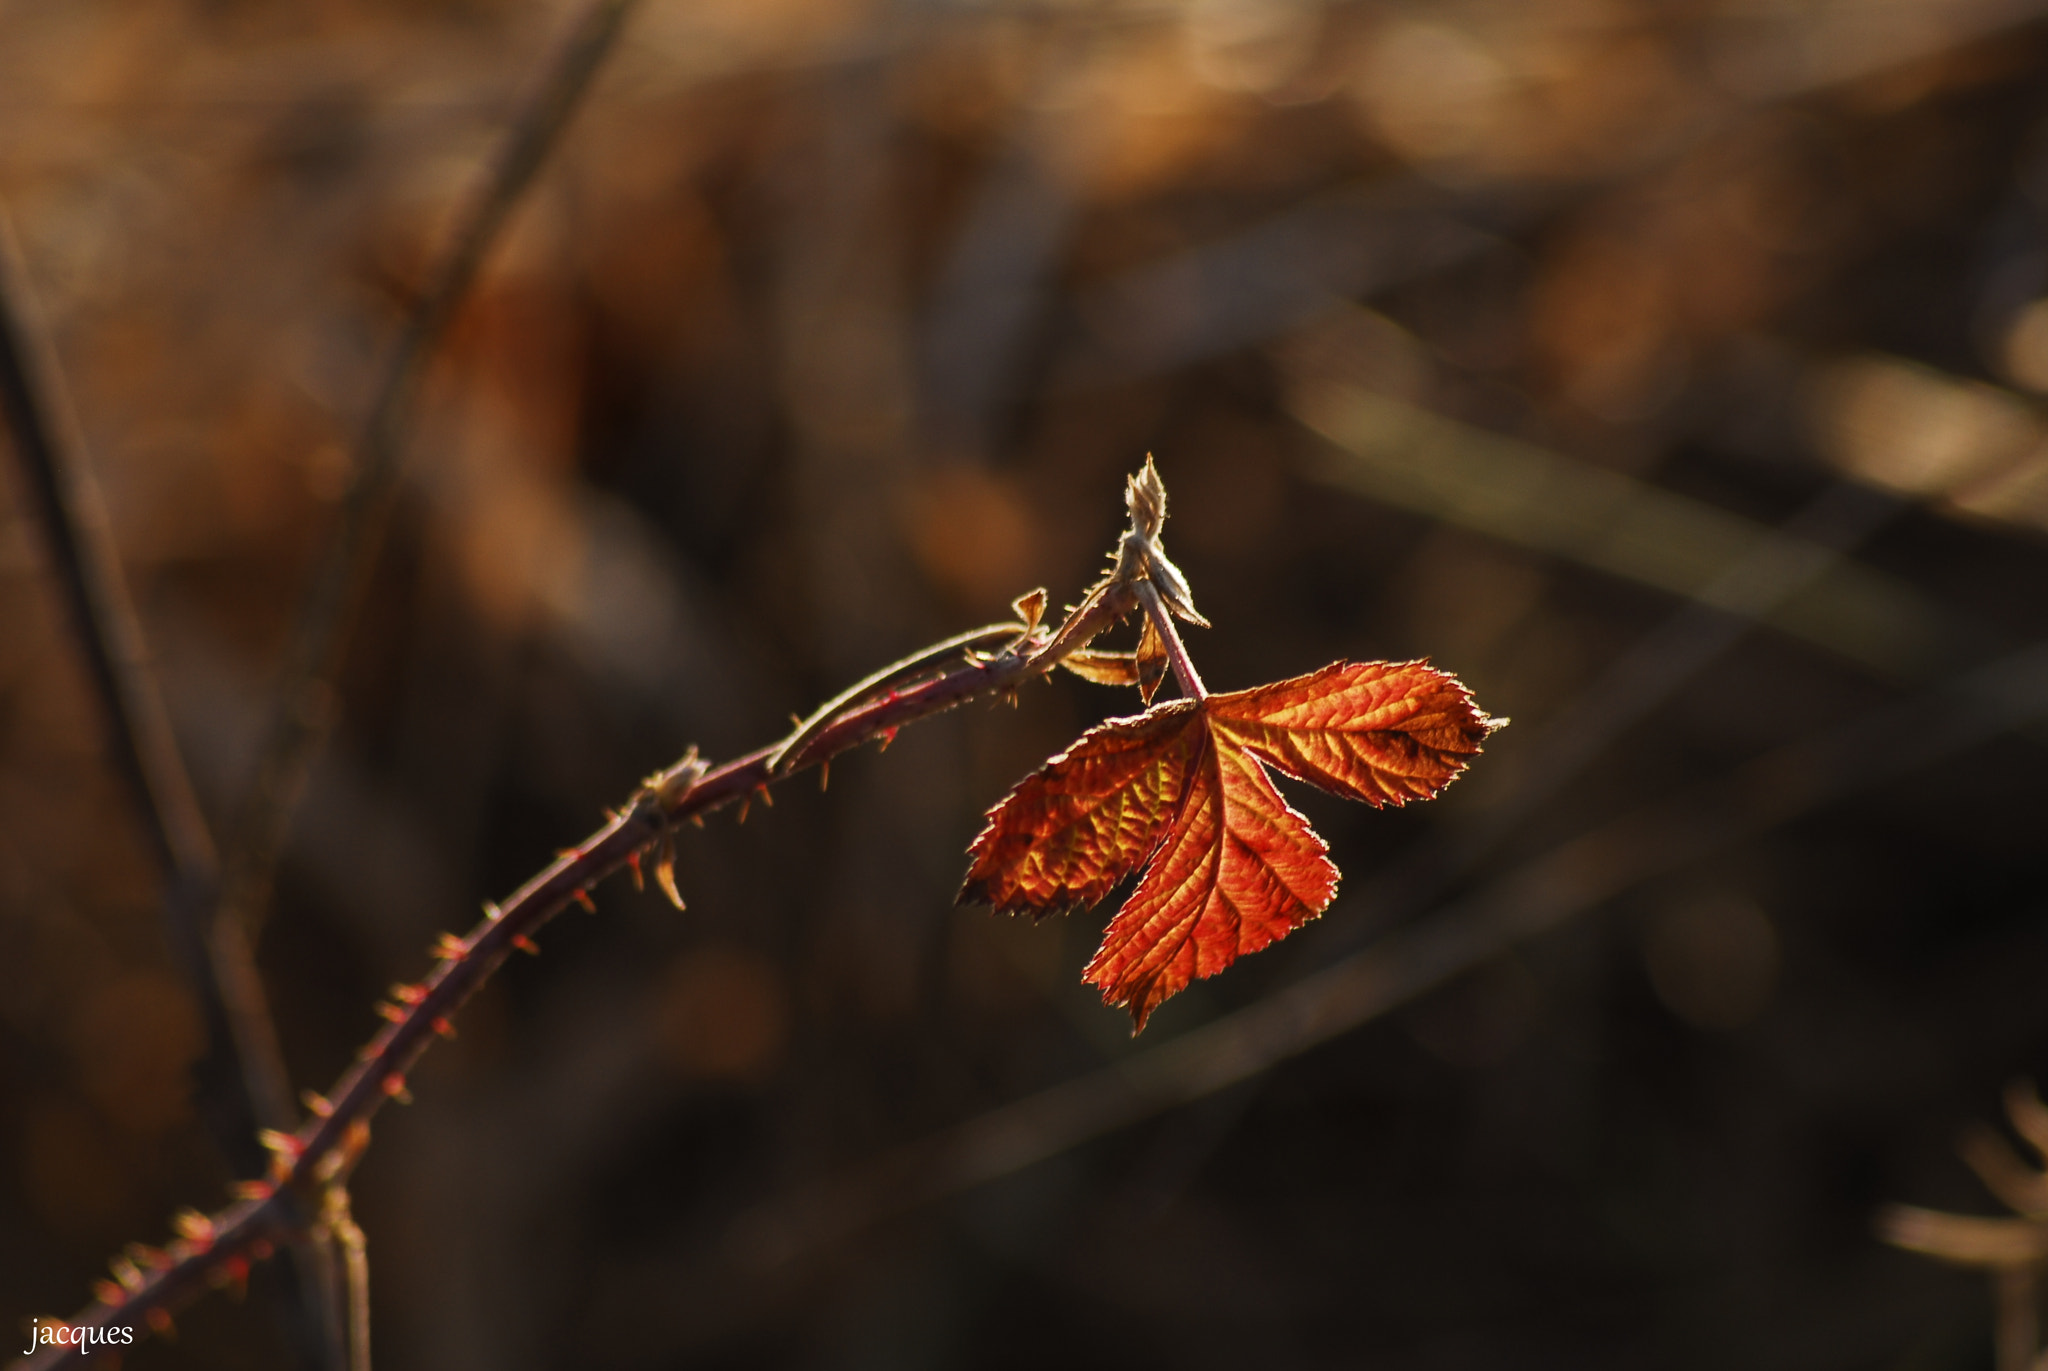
(1777, 567)
(2011, 1250)
(87, 566)
(239, 1080)
(305, 710)
(1405, 456)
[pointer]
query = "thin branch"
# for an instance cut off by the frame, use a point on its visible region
(48, 445)
(1630, 688)
(320, 632)
(240, 1078)
(789, 755)
(307, 1163)
(2018, 1317)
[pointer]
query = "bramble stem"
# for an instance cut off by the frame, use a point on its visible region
(790, 753)
(1176, 652)
(219, 1250)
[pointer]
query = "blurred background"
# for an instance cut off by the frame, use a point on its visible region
(1668, 371)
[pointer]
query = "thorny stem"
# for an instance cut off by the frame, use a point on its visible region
(1176, 651)
(304, 1195)
(790, 753)
(306, 1164)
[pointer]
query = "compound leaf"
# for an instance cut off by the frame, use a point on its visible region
(1181, 791)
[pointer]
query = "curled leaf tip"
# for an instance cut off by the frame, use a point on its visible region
(1030, 608)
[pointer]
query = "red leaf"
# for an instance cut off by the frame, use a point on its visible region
(1085, 820)
(1180, 790)
(1238, 870)
(1381, 732)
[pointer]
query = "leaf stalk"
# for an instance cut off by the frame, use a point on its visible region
(1176, 651)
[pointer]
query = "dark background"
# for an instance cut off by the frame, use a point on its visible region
(832, 327)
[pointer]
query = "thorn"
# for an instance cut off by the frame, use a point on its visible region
(389, 1011)
(408, 994)
(767, 795)
(127, 1273)
(824, 774)
(582, 897)
(109, 1294)
(571, 854)
(155, 1258)
(888, 736)
(492, 912)
(665, 874)
(746, 802)
(639, 877)
(450, 948)
(160, 1324)
(261, 1250)
(317, 1104)
(444, 1028)
(796, 720)
(697, 821)
(526, 945)
(252, 1190)
(194, 1227)
(280, 1144)
(394, 1088)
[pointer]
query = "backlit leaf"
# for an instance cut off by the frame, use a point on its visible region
(1181, 790)
(1238, 869)
(1086, 819)
(1381, 732)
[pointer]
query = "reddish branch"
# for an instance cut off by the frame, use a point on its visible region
(218, 1251)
